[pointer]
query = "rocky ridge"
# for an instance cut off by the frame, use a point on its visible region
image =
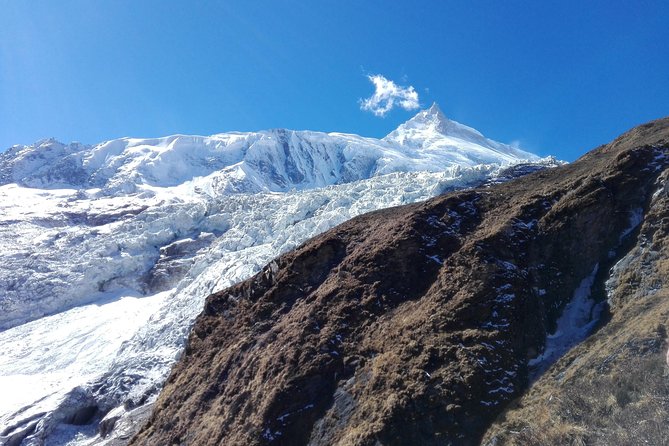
(419, 324)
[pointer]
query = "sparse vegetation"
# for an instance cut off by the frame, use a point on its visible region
(628, 407)
(614, 388)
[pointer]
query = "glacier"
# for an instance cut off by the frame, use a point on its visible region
(109, 251)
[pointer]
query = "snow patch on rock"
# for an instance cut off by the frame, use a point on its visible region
(578, 319)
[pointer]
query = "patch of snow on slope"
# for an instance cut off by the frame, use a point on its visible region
(575, 324)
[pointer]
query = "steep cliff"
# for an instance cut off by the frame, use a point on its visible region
(420, 324)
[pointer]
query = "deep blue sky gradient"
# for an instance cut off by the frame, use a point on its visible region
(558, 77)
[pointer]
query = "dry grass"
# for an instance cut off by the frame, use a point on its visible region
(630, 407)
(612, 390)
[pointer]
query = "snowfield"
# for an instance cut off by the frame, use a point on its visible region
(109, 251)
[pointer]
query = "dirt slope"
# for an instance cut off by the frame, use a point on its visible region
(412, 325)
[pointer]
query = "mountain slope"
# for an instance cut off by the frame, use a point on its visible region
(110, 250)
(416, 324)
(613, 388)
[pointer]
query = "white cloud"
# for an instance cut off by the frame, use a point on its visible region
(388, 95)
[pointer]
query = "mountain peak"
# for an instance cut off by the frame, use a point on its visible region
(432, 121)
(434, 110)
(430, 116)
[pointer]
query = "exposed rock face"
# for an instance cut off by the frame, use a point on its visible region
(415, 325)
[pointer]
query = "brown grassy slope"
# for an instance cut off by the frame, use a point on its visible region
(411, 325)
(613, 389)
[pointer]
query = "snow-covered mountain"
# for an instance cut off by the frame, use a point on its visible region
(108, 251)
(274, 160)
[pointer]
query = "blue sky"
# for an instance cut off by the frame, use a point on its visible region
(558, 77)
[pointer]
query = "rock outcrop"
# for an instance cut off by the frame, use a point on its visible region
(421, 324)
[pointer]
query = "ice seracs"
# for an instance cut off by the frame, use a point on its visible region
(87, 229)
